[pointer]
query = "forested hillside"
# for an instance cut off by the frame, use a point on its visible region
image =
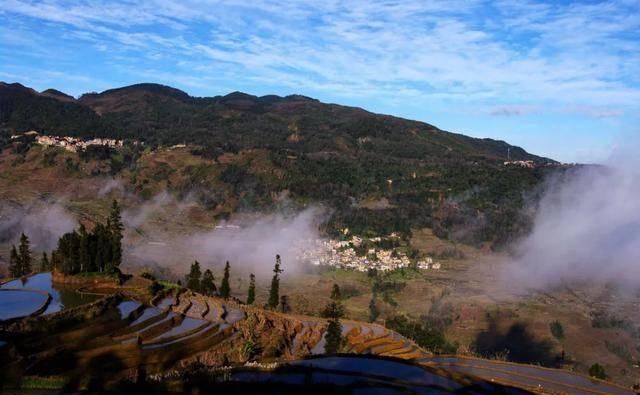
(378, 173)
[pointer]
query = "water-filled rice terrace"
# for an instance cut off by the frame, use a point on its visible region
(37, 294)
(65, 334)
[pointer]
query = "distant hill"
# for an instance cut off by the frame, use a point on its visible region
(315, 152)
(163, 115)
(56, 94)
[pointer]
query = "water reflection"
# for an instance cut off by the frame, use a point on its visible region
(61, 297)
(20, 303)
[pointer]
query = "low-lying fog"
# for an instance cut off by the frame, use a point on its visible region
(43, 221)
(250, 244)
(587, 227)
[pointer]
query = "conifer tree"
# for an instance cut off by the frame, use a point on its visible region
(193, 278)
(334, 308)
(334, 311)
(373, 310)
(207, 285)
(274, 292)
(15, 270)
(225, 288)
(44, 263)
(83, 253)
(333, 336)
(55, 263)
(103, 250)
(251, 294)
(74, 252)
(116, 228)
(24, 255)
(335, 293)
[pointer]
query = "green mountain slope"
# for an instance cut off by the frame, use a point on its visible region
(341, 156)
(162, 115)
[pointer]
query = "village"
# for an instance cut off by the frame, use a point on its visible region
(71, 144)
(348, 254)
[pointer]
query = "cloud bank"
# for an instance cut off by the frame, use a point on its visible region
(587, 228)
(249, 242)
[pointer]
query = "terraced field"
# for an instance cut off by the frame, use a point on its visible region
(122, 336)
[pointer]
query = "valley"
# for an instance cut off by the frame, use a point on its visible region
(319, 197)
(467, 298)
(420, 246)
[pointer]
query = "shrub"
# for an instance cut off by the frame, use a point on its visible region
(557, 330)
(596, 370)
(425, 336)
(249, 349)
(601, 319)
(155, 287)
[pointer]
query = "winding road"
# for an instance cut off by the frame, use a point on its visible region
(526, 376)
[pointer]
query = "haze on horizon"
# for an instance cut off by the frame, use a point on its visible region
(559, 79)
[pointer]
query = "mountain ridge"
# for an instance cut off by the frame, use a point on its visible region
(245, 151)
(147, 107)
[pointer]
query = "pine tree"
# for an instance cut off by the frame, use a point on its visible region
(207, 285)
(83, 253)
(91, 245)
(15, 270)
(251, 294)
(274, 292)
(334, 308)
(193, 278)
(333, 336)
(334, 311)
(373, 310)
(74, 252)
(103, 249)
(336, 295)
(56, 261)
(24, 255)
(44, 263)
(225, 288)
(116, 228)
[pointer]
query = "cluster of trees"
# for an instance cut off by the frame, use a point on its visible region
(557, 330)
(596, 370)
(20, 258)
(204, 283)
(97, 251)
(425, 335)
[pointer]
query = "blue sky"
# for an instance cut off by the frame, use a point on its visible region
(560, 79)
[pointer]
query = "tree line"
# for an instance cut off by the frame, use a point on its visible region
(204, 283)
(100, 250)
(20, 258)
(79, 251)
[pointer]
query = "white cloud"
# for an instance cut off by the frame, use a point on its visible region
(543, 54)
